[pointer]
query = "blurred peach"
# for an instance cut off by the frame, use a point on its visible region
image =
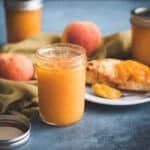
(85, 34)
(15, 67)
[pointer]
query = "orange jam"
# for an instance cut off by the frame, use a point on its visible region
(23, 19)
(141, 35)
(61, 83)
(130, 69)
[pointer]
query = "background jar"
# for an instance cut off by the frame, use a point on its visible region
(61, 70)
(140, 21)
(23, 18)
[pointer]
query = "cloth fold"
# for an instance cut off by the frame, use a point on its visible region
(29, 46)
(21, 98)
(117, 45)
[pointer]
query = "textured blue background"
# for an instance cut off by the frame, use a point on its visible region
(102, 127)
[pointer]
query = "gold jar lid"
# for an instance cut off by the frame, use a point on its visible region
(141, 16)
(22, 4)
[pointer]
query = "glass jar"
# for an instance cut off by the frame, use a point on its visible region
(140, 20)
(23, 18)
(61, 83)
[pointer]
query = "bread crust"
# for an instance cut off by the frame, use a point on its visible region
(107, 71)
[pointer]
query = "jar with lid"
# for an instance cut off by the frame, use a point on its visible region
(23, 18)
(140, 21)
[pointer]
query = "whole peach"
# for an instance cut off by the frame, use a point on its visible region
(85, 34)
(15, 67)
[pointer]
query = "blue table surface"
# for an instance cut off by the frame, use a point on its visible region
(102, 127)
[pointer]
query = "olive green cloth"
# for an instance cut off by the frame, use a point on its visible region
(30, 45)
(117, 45)
(20, 98)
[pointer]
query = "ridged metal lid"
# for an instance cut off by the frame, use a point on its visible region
(14, 122)
(141, 16)
(22, 4)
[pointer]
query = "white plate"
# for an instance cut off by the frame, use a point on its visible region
(129, 98)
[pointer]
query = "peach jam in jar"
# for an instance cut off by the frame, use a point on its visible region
(23, 18)
(61, 83)
(140, 21)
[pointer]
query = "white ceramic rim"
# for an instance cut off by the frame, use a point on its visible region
(118, 102)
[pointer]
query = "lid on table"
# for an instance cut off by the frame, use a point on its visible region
(14, 131)
(141, 16)
(23, 4)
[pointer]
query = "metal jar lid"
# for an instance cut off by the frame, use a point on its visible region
(141, 16)
(11, 121)
(22, 4)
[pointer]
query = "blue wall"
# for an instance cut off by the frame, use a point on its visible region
(58, 13)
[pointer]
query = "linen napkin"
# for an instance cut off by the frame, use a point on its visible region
(18, 98)
(30, 45)
(117, 45)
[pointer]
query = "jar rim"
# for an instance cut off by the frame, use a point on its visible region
(78, 50)
(141, 12)
(141, 16)
(61, 54)
(23, 4)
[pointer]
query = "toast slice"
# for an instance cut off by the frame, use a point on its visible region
(121, 74)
